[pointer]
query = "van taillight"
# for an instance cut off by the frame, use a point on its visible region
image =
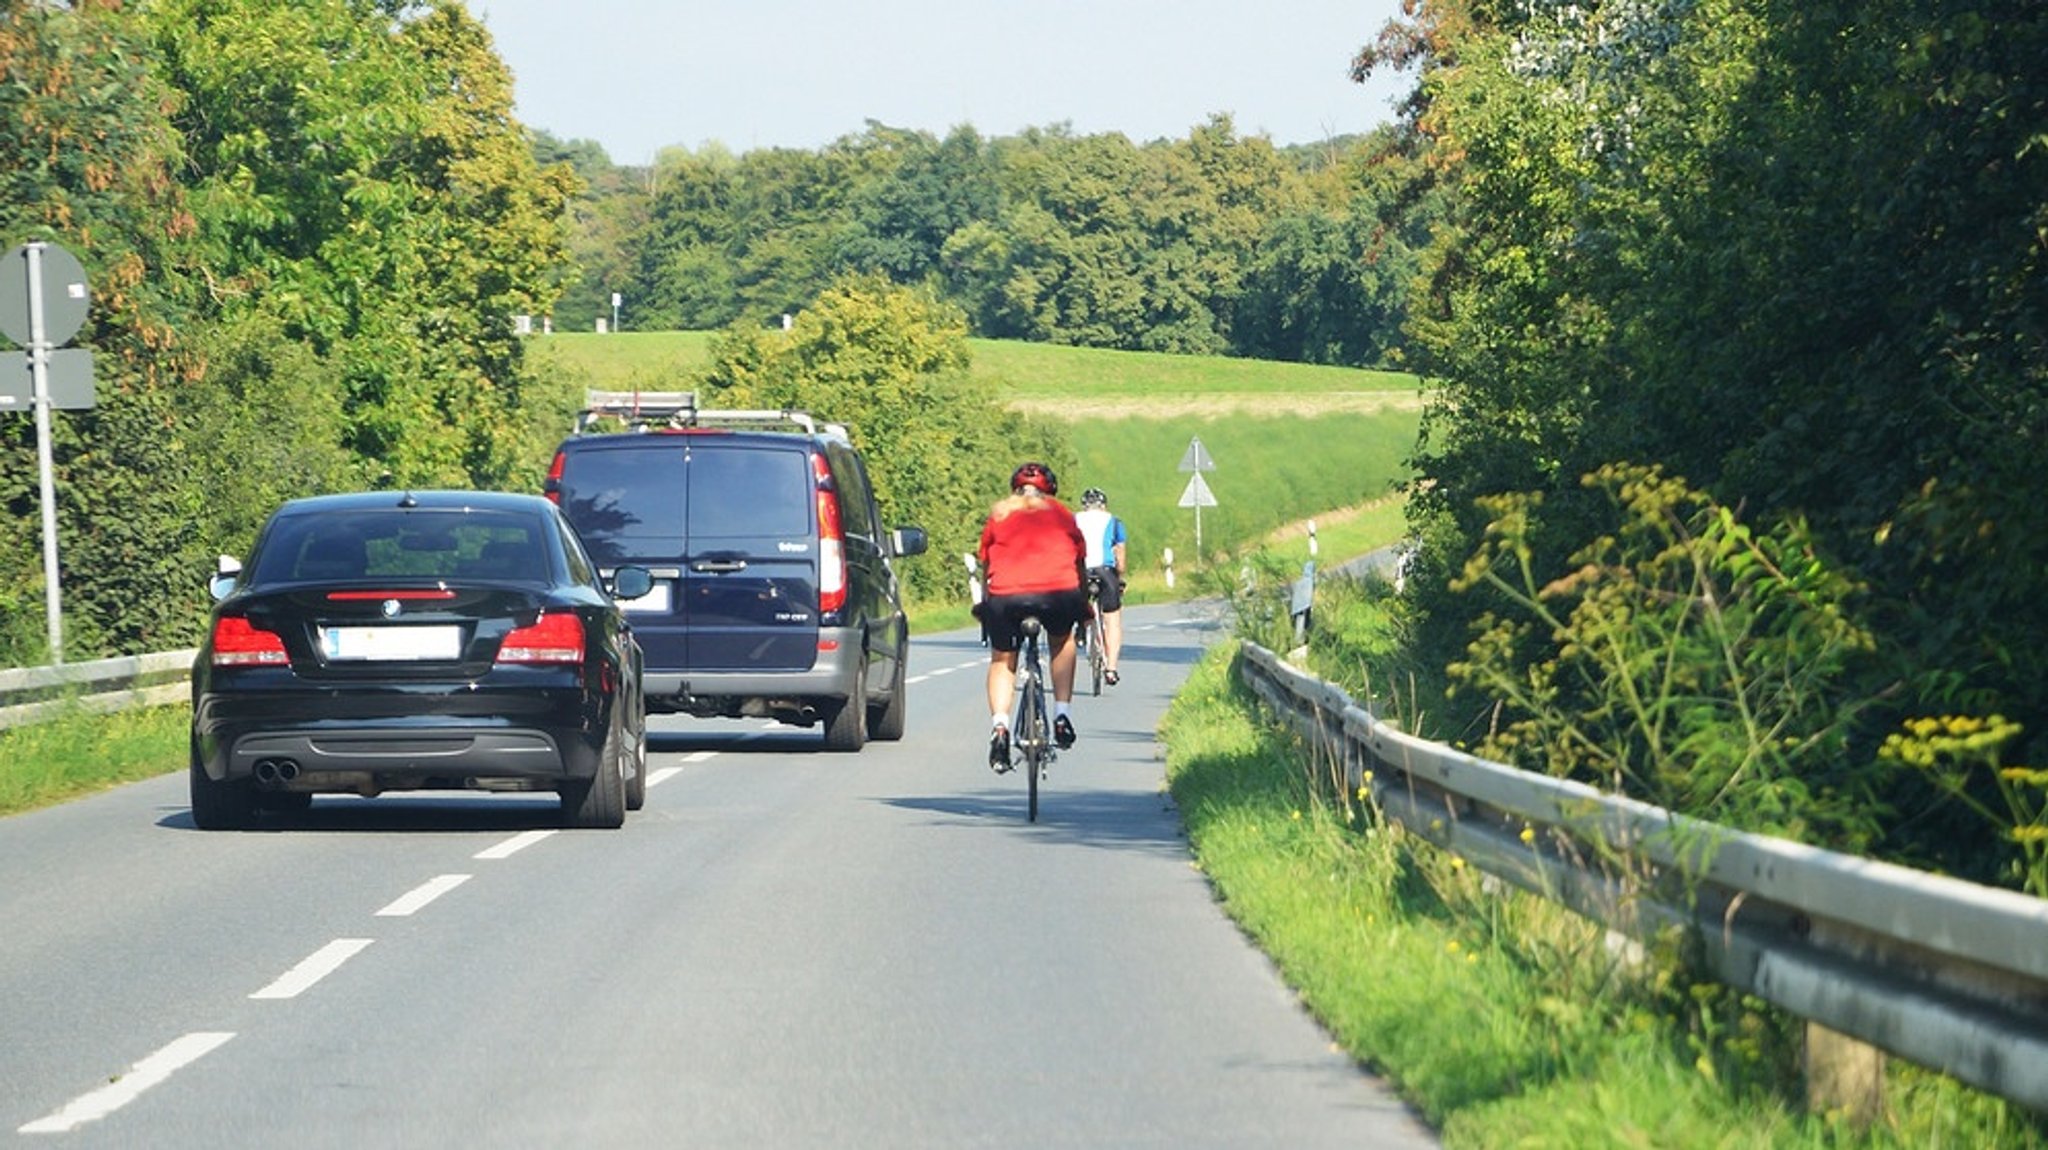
(240, 643)
(831, 540)
(553, 638)
(552, 488)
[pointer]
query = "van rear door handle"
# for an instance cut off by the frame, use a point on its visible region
(718, 566)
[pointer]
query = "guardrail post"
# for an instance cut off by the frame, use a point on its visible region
(1843, 1076)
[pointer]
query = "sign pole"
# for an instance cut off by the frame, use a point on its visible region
(39, 373)
(1197, 495)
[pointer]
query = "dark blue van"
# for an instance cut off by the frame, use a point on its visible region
(774, 594)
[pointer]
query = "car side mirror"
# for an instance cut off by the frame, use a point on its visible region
(908, 541)
(225, 574)
(631, 582)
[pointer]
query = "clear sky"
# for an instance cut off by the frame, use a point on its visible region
(641, 75)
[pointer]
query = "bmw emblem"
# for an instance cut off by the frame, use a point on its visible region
(391, 608)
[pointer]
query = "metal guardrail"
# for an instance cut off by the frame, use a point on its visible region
(1945, 973)
(32, 694)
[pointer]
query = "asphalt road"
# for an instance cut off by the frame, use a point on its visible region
(785, 948)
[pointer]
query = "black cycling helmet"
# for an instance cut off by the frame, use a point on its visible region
(1094, 497)
(1034, 474)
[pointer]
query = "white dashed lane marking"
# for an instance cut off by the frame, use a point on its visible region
(317, 966)
(128, 1087)
(513, 845)
(423, 894)
(937, 671)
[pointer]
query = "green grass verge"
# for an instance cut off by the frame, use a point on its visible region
(1505, 1020)
(80, 752)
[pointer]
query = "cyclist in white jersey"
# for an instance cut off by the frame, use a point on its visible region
(1105, 535)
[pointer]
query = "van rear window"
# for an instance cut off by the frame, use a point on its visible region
(639, 501)
(626, 502)
(749, 492)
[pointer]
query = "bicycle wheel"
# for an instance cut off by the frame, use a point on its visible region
(1033, 731)
(1031, 789)
(1036, 741)
(1096, 649)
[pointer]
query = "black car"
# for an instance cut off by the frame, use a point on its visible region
(431, 640)
(774, 594)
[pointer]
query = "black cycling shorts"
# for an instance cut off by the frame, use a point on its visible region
(1111, 595)
(1059, 611)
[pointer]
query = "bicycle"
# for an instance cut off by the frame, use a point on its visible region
(1094, 639)
(1031, 727)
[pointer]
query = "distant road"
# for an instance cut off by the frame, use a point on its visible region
(785, 948)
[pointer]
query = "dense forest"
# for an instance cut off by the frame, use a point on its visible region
(1731, 315)
(1216, 244)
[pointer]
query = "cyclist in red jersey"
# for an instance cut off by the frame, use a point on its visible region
(1031, 556)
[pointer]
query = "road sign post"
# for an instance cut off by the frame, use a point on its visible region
(41, 310)
(1197, 495)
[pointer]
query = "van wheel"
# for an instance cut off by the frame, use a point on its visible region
(636, 787)
(886, 722)
(847, 729)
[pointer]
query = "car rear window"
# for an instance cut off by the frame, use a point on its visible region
(639, 500)
(396, 544)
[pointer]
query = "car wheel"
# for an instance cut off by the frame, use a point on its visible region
(847, 728)
(220, 806)
(887, 721)
(597, 803)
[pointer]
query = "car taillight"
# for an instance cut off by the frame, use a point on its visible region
(831, 540)
(552, 488)
(556, 638)
(239, 643)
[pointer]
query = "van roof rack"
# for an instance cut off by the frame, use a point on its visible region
(652, 410)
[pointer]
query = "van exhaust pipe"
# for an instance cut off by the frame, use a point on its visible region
(274, 773)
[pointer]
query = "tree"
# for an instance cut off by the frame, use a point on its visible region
(359, 176)
(87, 161)
(891, 364)
(1788, 251)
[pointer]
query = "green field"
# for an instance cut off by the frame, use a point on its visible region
(1289, 441)
(1030, 374)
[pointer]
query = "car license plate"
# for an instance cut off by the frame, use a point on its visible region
(656, 600)
(392, 644)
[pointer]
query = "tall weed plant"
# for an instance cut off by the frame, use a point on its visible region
(1684, 659)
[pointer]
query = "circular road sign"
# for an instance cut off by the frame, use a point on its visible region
(63, 293)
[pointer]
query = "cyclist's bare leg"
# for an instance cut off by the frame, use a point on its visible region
(1112, 638)
(1065, 655)
(1002, 683)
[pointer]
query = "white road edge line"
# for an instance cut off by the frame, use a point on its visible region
(657, 777)
(127, 1088)
(317, 966)
(699, 756)
(422, 894)
(513, 845)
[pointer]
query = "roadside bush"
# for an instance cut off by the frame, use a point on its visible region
(1684, 659)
